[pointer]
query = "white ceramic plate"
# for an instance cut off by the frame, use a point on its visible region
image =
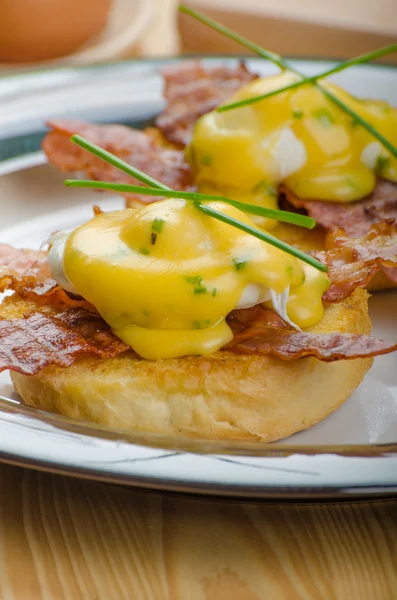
(352, 452)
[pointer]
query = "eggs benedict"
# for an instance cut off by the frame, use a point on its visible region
(299, 138)
(166, 276)
(164, 319)
(295, 149)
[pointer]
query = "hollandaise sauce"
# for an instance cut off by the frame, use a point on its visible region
(166, 276)
(299, 137)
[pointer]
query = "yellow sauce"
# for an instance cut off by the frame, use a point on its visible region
(165, 277)
(299, 137)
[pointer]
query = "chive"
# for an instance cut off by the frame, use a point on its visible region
(214, 292)
(325, 117)
(363, 58)
(94, 149)
(297, 114)
(195, 279)
(351, 183)
(270, 213)
(201, 324)
(284, 66)
(144, 251)
(382, 162)
(206, 160)
(262, 235)
(158, 225)
(239, 264)
(375, 133)
(272, 56)
(116, 162)
(264, 187)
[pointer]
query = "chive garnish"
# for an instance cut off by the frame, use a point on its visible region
(297, 114)
(264, 186)
(382, 162)
(284, 66)
(116, 162)
(108, 157)
(358, 60)
(144, 251)
(270, 213)
(196, 280)
(239, 264)
(324, 116)
(158, 225)
(201, 324)
(213, 293)
(261, 235)
(268, 54)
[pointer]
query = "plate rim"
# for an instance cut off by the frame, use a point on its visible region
(34, 71)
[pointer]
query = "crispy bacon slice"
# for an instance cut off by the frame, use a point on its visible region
(16, 263)
(29, 344)
(191, 90)
(352, 262)
(290, 345)
(356, 218)
(26, 272)
(137, 148)
(44, 337)
(38, 340)
(48, 293)
(249, 322)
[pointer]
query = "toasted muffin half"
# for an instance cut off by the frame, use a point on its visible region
(224, 396)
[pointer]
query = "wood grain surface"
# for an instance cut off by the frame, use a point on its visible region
(69, 539)
(281, 33)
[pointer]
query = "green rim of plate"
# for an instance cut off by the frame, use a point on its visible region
(29, 72)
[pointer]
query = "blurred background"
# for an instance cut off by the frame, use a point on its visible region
(36, 33)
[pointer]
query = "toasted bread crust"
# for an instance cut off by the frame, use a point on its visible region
(224, 396)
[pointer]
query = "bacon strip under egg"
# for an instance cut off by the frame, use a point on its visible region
(352, 262)
(38, 340)
(57, 330)
(191, 90)
(356, 218)
(138, 148)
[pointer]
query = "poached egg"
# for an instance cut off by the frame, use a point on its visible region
(165, 277)
(298, 137)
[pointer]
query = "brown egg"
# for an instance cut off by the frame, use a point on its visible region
(33, 30)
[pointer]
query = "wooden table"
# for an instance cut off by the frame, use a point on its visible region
(309, 28)
(69, 539)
